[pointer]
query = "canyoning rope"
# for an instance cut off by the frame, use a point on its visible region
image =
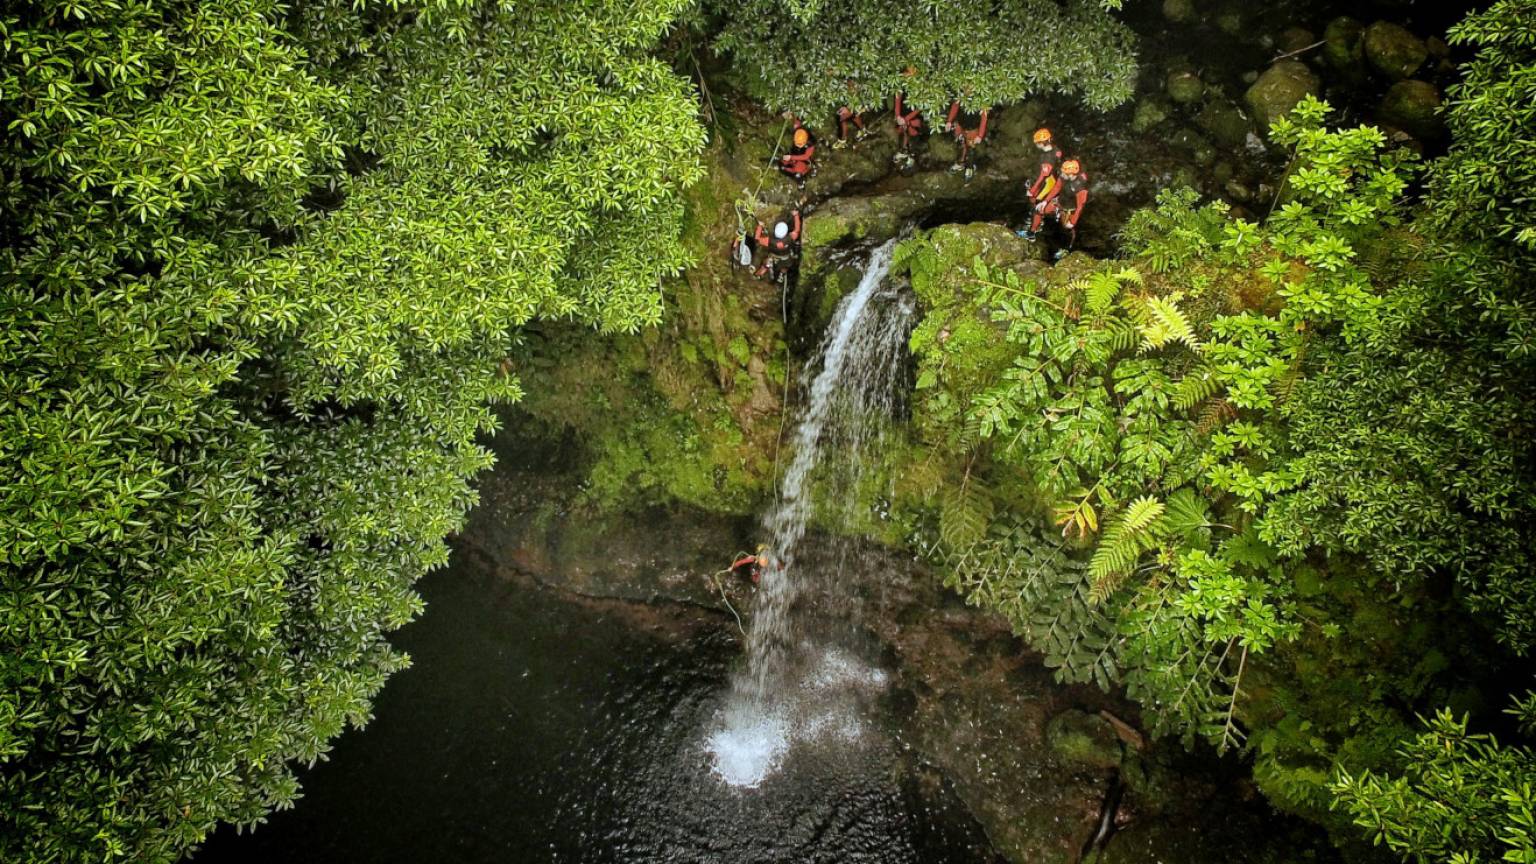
(719, 584)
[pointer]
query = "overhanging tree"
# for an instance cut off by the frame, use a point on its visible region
(264, 266)
(812, 56)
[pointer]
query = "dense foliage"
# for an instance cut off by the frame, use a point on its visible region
(261, 265)
(812, 56)
(1266, 452)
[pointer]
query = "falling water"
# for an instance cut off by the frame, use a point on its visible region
(851, 399)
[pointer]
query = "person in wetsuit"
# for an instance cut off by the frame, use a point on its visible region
(967, 134)
(909, 125)
(782, 245)
(797, 164)
(1065, 201)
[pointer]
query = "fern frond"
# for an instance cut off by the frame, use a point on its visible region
(965, 512)
(1213, 414)
(1164, 322)
(1099, 292)
(1125, 539)
(1196, 387)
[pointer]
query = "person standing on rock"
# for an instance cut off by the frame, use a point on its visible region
(797, 163)
(846, 117)
(909, 125)
(966, 135)
(1050, 161)
(1065, 201)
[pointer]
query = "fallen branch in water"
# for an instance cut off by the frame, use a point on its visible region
(1299, 51)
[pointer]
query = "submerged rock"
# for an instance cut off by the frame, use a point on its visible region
(1344, 48)
(1178, 11)
(1295, 40)
(1184, 87)
(1279, 89)
(1393, 51)
(1414, 107)
(1149, 113)
(1224, 122)
(1085, 740)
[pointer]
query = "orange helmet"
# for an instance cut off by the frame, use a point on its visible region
(1042, 135)
(1070, 167)
(802, 137)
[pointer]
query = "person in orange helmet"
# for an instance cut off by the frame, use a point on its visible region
(967, 135)
(1065, 201)
(797, 163)
(1050, 161)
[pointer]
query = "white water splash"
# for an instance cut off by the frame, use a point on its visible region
(784, 695)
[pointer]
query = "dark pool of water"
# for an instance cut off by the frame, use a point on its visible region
(533, 728)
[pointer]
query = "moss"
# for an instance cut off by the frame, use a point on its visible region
(739, 350)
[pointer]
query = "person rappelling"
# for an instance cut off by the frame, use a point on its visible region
(798, 163)
(909, 125)
(751, 567)
(1065, 201)
(782, 245)
(969, 130)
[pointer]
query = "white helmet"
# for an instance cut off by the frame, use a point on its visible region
(781, 230)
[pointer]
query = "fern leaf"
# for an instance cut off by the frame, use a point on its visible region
(1213, 415)
(1163, 323)
(1196, 387)
(965, 513)
(1125, 539)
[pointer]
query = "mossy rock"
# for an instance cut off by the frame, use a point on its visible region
(1184, 87)
(1414, 107)
(1295, 40)
(1178, 11)
(1227, 125)
(1344, 48)
(1393, 51)
(1084, 740)
(1278, 90)
(1149, 113)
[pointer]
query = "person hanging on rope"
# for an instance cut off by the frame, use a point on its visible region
(782, 246)
(798, 163)
(967, 134)
(1065, 201)
(751, 567)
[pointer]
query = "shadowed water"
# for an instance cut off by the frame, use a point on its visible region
(536, 729)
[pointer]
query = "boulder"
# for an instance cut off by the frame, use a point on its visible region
(1278, 90)
(1437, 48)
(1184, 87)
(1295, 40)
(1224, 122)
(1344, 48)
(1393, 51)
(1414, 107)
(1149, 113)
(1083, 740)
(1178, 11)
(1229, 21)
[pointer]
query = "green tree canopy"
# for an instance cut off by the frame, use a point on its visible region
(260, 268)
(811, 56)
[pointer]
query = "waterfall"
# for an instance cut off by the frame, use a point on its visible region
(851, 400)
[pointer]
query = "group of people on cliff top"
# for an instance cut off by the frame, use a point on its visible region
(1059, 190)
